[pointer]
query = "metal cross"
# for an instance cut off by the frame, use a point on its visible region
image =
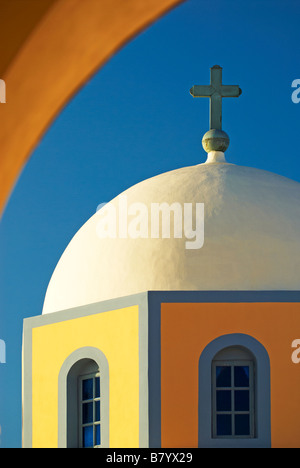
(216, 91)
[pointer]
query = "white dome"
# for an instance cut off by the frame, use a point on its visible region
(252, 240)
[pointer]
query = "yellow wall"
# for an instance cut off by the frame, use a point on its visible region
(116, 334)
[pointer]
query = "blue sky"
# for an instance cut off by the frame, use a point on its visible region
(133, 120)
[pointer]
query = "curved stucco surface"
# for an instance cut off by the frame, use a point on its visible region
(251, 240)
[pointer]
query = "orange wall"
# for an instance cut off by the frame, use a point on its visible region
(186, 329)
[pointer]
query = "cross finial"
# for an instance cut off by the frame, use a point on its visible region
(216, 91)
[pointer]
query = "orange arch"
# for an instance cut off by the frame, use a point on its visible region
(51, 48)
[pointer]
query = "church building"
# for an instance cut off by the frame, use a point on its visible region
(179, 334)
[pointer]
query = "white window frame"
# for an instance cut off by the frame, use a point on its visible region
(232, 389)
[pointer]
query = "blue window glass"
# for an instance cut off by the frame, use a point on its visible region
(223, 376)
(90, 411)
(241, 400)
(87, 413)
(241, 376)
(97, 387)
(223, 400)
(98, 434)
(87, 389)
(224, 425)
(242, 424)
(233, 409)
(97, 411)
(87, 437)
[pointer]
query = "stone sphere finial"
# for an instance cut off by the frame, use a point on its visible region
(215, 140)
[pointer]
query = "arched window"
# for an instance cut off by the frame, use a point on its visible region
(83, 400)
(234, 393)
